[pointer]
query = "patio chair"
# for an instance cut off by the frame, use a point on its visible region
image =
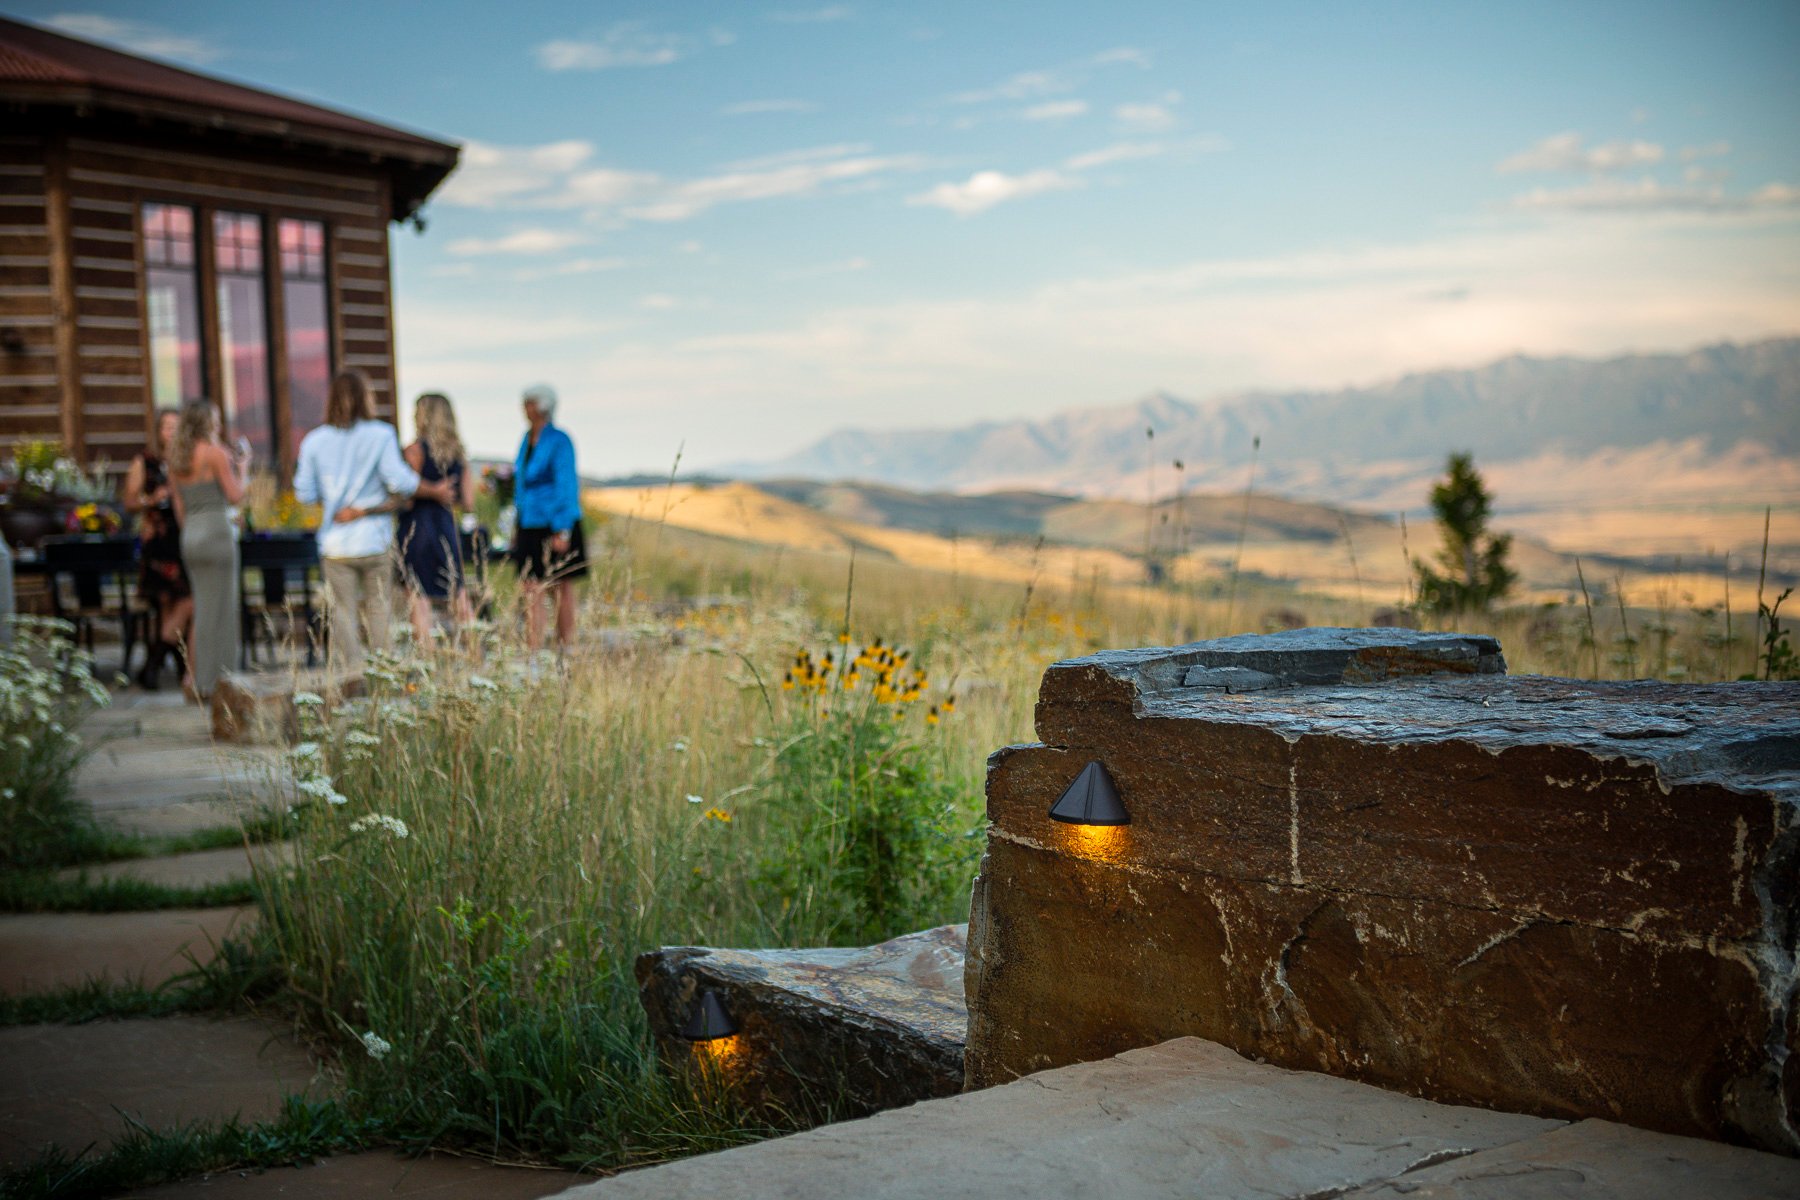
(283, 606)
(92, 580)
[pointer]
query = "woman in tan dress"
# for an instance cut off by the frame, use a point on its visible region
(209, 484)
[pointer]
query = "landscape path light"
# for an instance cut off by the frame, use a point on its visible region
(709, 1021)
(1093, 799)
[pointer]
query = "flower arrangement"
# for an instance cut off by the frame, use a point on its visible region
(272, 508)
(94, 518)
(497, 481)
(42, 476)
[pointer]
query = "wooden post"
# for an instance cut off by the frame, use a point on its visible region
(212, 334)
(275, 308)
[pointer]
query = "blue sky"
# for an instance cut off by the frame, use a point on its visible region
(736, 227)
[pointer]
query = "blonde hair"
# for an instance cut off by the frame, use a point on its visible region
(198, 421)
(349, 401)
(436, 422)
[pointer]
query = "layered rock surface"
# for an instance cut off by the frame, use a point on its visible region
(850, 1031)
(1192, 1119)
(1369, 853)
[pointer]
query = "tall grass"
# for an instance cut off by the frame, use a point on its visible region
(486, 845)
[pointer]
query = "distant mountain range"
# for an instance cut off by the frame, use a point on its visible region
(1719, 425)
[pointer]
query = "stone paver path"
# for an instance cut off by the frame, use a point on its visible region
(41, 951)
(154, 770)
(75, 1085)
(373, 1176)
(198, 868)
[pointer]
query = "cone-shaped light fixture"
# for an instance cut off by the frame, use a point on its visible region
(1093, 799)
(709, 1019)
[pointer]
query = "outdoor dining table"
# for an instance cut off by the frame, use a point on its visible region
(290, 582)
(89, 566)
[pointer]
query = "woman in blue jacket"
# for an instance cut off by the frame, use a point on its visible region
(548, 551)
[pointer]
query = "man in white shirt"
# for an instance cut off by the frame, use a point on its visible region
(352, 466)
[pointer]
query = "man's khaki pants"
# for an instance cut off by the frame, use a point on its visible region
(356, 586)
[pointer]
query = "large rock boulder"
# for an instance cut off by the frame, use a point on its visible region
(844, 1031)
(1367, 852)
(255, 710)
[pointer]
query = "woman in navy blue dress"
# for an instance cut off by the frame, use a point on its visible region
(429, 539)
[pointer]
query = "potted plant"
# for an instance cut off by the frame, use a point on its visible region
(43, 493)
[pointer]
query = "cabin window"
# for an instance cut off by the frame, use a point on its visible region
(308, 330)
(172, 291)
(244, 331)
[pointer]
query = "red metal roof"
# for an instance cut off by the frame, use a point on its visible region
(37, 65)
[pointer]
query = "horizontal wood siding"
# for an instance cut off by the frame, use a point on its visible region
(111, 180)
(364, 333)
(29, 407)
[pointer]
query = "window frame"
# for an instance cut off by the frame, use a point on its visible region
(206, 278)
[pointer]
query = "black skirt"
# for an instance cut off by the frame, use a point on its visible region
(532, 555)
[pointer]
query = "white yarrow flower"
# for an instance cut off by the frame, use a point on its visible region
(309, 699)
(482, 683)
(693, 799)
(394, 827)
(357, 737)
(376, 1045)
(319, 787)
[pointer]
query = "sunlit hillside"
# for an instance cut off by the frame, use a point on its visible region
(1206, 544)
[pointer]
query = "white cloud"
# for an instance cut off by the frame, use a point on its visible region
(1147, 116)
(1709, 150)
(750, 108)
(1117, 152)
(810, 16)
(1127, 55)
(138, 37)
(1026, 85)
(627, 44)
(557, 176)
(1055, 110)
(573, 266)
(842, 267)
(763, 162)
(659, 302)
(984, 189)
(522, 241)
(601, 187)
(679, 201)
(489, 176)
(1051, 81)
(690, 247)
(1568, 152)
(1609, 195)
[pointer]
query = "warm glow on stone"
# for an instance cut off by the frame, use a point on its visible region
(724, 1054)
(1104, 843)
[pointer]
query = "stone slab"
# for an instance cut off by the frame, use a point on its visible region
(1573, 898)
(373, 1176)
(1598, 1160)
(858, 1030)
(75, 1085)
(1090, 958)
(199, 868)
(42, 951)
(1185, 1119)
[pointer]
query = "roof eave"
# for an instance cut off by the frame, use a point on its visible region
(425, 161)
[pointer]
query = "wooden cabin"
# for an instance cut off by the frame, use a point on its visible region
(166, 235)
